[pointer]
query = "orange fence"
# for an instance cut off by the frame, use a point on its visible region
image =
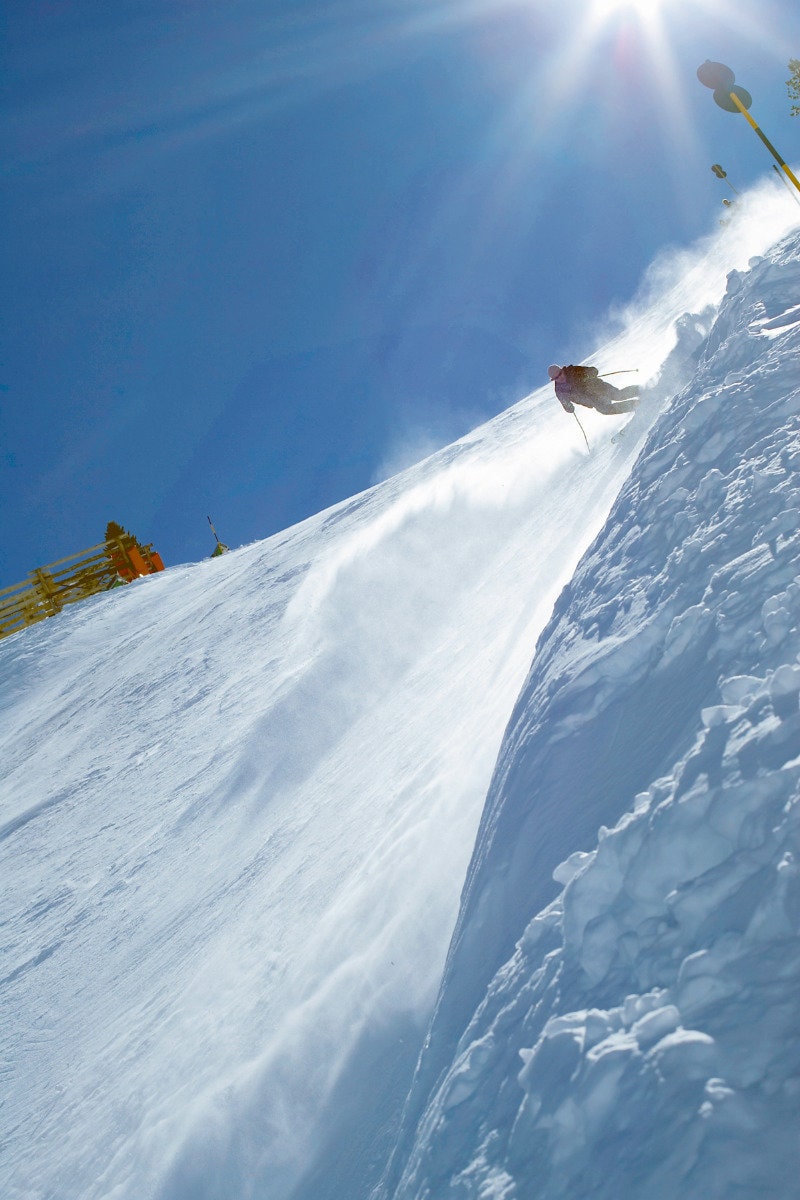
(48, 589)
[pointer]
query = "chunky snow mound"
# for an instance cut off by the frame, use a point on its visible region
(639, 1035)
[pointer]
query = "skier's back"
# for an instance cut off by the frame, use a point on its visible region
(583, 385)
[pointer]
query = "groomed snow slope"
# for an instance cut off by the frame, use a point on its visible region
(638, 1037)
(239, 800)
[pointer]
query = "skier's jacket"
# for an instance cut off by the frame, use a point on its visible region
(580, 385)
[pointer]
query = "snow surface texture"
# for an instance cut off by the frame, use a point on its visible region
(639, 1036)
(239, 798)
(239, 802)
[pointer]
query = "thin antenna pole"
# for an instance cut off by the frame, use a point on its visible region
(220, 547)
(213, 530)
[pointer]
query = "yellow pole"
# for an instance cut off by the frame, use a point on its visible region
(765, 140)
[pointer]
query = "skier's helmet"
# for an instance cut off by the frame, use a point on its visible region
(554, 371)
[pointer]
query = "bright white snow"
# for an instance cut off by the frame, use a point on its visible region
(239, 799)
(639, 1036)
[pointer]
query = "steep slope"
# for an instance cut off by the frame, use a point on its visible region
(238, 804)
(239, 801)
(626, 1022)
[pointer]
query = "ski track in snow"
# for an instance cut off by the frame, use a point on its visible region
(640, 1035)
(239, 800)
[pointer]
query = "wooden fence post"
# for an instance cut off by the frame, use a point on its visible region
(47, 590)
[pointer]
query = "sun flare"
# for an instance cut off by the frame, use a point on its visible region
(645, 11)
(603, 10)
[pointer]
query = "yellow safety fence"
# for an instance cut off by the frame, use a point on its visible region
(48, 589)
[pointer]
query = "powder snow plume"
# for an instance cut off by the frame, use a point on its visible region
(618, 1015)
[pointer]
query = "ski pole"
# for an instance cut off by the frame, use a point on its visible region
(630, 371)
(721, 173)
(729, 96)
(743, 110)
(583, 431)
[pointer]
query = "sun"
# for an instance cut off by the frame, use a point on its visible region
(606, 8)
(603, 11)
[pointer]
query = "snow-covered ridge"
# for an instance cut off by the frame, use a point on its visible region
(239, 798)
(238, 803)
(638, 1035)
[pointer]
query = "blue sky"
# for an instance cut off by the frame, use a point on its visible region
(256, 254)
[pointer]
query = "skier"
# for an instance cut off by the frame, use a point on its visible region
(583, 385)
